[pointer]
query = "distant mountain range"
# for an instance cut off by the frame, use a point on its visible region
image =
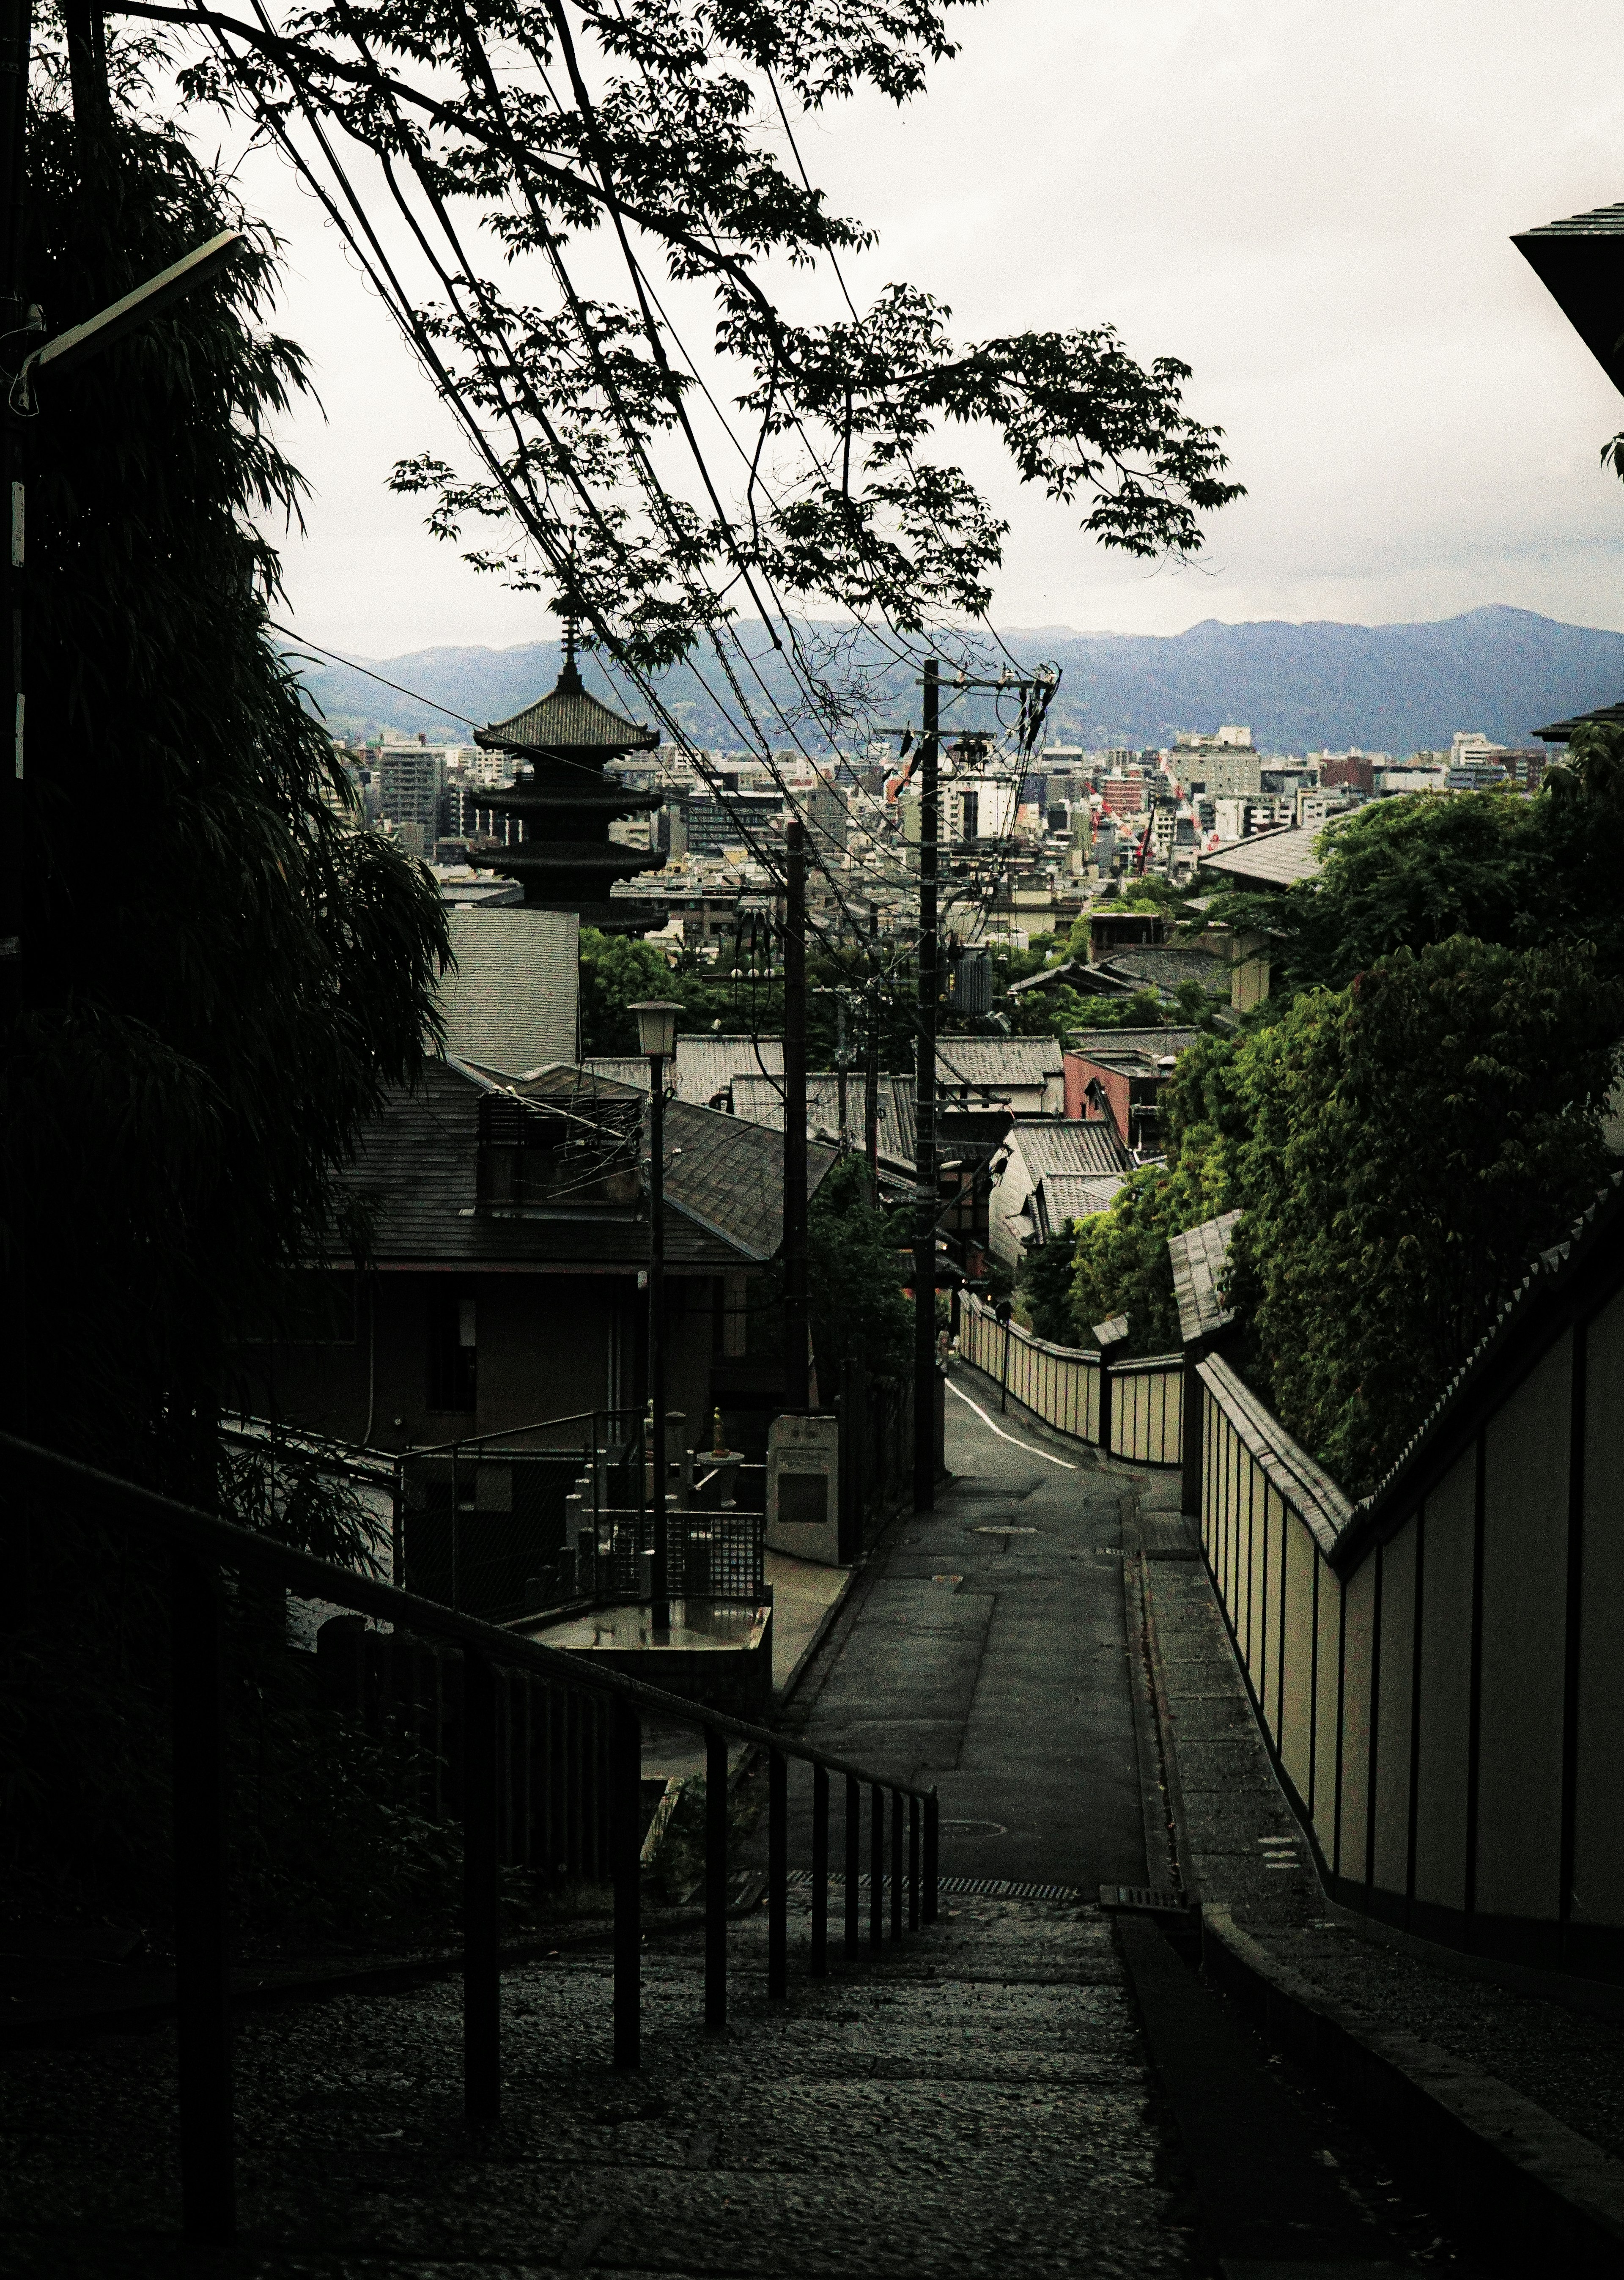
(1394, 688)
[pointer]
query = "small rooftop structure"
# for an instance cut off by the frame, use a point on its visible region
(1199, 1257)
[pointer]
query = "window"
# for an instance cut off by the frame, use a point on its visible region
(452, 1353)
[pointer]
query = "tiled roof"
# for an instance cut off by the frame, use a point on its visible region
(1199, 1258)
(415, 1173)
(705, 1065)
(510, 1001)
(1057, 1143)
(729, 1175)
(995, 1062)
(1165, 965)
(1270, 859)
(1139, 1047)
(762, 1099)
(1562, 731)
(568, 719)
(1059, 1197)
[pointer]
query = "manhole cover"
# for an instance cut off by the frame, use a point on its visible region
(990, 1528)
(977, 1828)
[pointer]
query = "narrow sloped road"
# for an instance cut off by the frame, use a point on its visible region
(983, 1650)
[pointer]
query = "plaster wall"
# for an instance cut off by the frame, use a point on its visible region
(1525, 1592)
(1444, 1754)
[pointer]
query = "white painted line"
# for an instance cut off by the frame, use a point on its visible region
(1030, 1447)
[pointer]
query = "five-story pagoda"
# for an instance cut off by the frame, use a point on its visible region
(565, 859)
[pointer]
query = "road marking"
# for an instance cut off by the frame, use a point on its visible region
(1030, 1447)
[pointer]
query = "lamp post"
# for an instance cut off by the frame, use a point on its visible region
(656, 1037)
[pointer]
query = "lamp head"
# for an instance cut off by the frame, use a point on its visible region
(656, 1027)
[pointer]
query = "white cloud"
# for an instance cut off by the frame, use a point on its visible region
(1312, 207)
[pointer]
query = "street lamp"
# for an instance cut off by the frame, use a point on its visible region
(656, 1037)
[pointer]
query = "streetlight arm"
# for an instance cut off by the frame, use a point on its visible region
(110, 324)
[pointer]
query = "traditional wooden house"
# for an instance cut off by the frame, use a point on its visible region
(505, 1244)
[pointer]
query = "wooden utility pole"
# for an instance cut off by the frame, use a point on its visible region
(925, 1142)
(870, 1058)
(794, 1120)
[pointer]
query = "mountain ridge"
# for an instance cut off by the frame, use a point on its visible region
(1395, 688)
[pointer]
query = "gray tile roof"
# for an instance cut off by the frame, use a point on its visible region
(1059, 1197)
(729, 1176)
(1050, 1145)
(762, 1099)
(1199, 1258)
(996, 1061)
(415, 1172)
(1138, 1048)
(568, 719)
(1269, 859)
(1165, 965)
(705, 1065)
(510, 1002)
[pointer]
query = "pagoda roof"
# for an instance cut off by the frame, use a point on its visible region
(568, 719)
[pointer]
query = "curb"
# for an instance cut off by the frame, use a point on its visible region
(826, 1624)
(1535, 2195)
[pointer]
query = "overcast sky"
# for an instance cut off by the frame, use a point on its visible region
(1311, 206)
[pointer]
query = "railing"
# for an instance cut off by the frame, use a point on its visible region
(1135, 1409)
(202, 1547)
(502, 1532)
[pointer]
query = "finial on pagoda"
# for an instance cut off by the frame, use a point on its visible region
(569, 672)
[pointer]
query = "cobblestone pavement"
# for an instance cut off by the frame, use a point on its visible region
(981, 2103)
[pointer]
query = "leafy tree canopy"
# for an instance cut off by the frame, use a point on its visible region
(527, 143)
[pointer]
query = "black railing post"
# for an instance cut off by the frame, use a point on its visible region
(208, 2182)
(626, 1838)
(876, 1865)
(914, 1864)
(933, 1833)
(897, 1891)
(778, 1876)
(481, 1960)
(819, 1961)
(715, 1883)
(854, 1860)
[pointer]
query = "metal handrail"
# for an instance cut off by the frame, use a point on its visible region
(202, 1544)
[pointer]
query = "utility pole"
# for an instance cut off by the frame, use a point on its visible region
(16, 32)
(870, 1058)
(795, 1120)
(925, 1144)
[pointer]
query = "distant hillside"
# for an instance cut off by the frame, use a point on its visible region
(1394, 688)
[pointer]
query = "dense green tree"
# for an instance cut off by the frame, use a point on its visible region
(1400, 874)
(856, 1268)
(1415, 1140)
(1044, 1287)
(221, 972)
(1122, 1262)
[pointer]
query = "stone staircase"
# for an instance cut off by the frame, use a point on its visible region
(978, 2103)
